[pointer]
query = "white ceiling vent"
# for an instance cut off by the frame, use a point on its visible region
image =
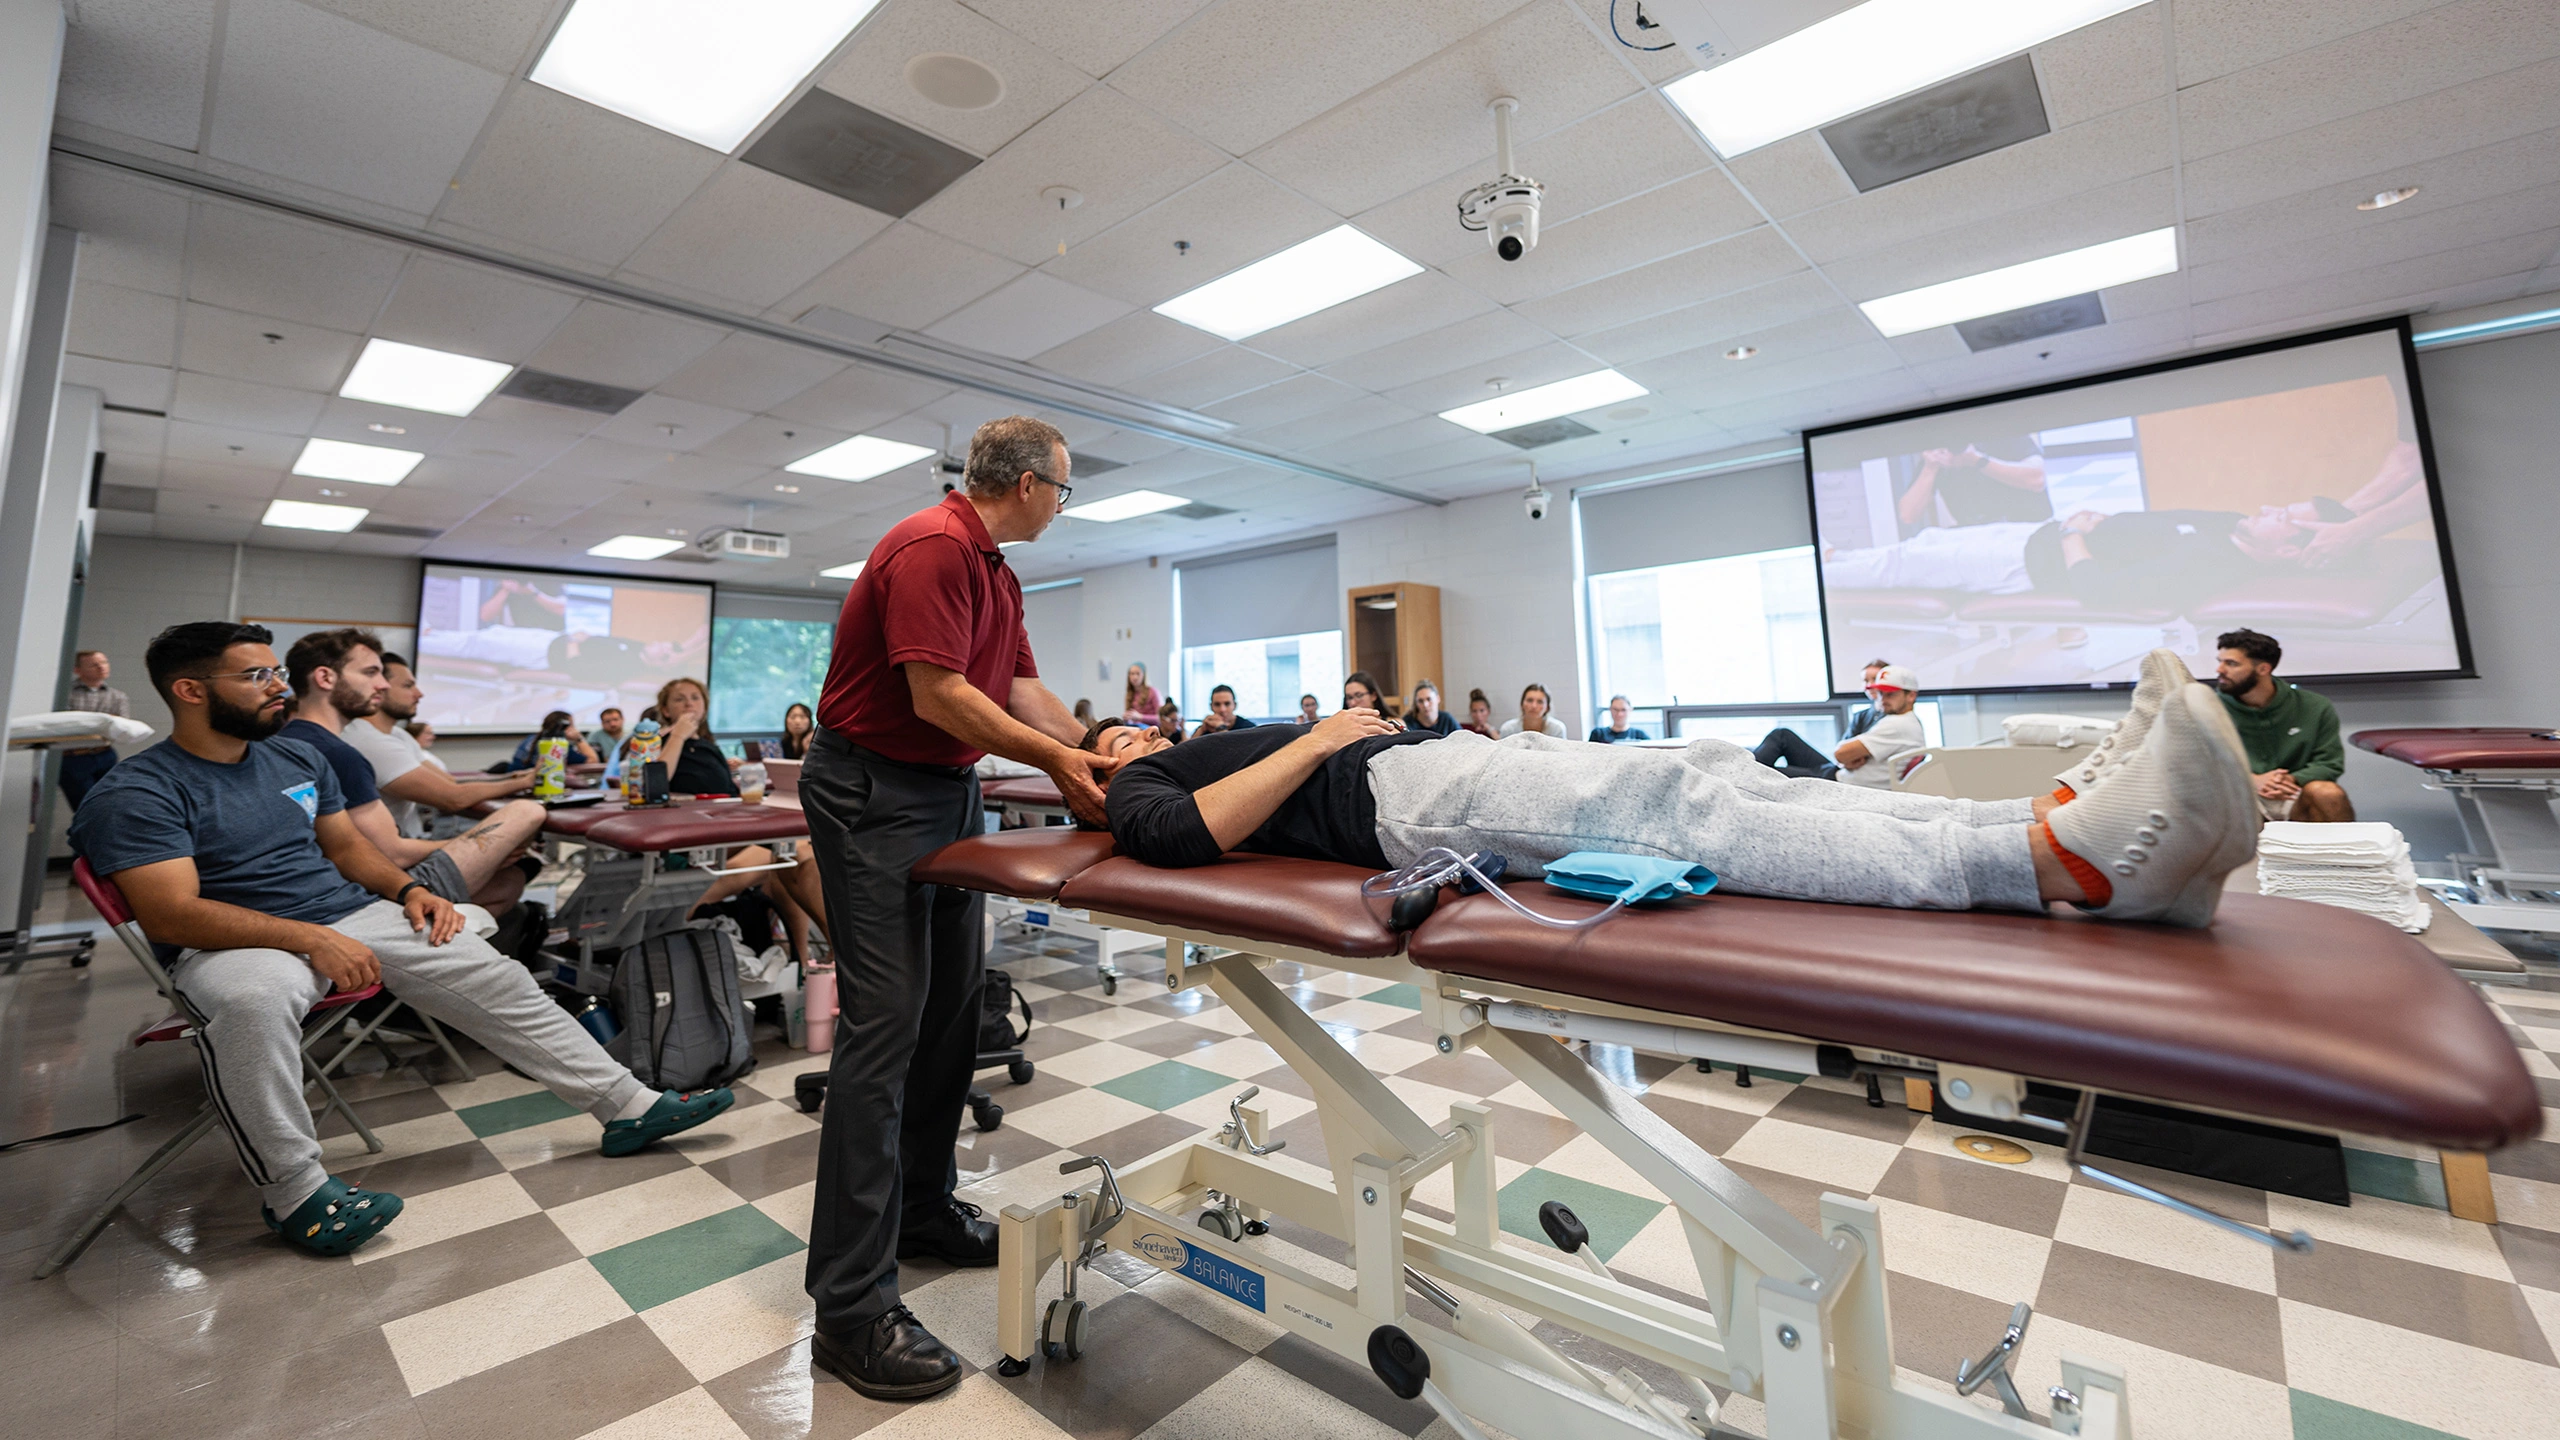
(1974, 114)
(829, 143)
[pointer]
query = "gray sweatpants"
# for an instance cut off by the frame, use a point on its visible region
(248, 1007)
(1533, 798)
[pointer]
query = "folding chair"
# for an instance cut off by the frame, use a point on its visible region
(111, 907)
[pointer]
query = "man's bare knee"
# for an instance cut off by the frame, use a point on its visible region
(2324, 802)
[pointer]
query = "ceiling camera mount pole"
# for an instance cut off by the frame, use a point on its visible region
(1503, 109)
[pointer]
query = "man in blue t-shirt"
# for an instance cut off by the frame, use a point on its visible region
(235, 848)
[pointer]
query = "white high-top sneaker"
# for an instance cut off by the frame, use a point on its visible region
(2171, 820)
(2163, 672)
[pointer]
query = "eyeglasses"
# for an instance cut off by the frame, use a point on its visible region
(261, 676)
(1066, 492)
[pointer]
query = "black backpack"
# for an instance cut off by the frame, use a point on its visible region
(683, 1024)
(996, 1005)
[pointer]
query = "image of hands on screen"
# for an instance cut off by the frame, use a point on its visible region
(2030, 542)
(499, 649)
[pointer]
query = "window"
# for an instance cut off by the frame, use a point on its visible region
(1268, 674)
(1732, 630)
(1266, 621)
(760, 668)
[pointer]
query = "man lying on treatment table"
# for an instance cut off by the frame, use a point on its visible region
(2148, 837)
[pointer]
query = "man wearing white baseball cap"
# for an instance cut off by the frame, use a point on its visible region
(1874, 758)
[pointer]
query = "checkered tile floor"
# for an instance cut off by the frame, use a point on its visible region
(536, 1289)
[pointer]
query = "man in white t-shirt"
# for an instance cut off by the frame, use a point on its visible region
(411, 784)
(1876, 757)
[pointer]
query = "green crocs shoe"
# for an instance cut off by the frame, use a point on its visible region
(336, 1220)
(672, 1115)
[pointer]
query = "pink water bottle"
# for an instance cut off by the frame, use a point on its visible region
(818, 1008)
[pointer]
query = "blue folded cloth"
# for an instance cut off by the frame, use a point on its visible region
(1638, 879)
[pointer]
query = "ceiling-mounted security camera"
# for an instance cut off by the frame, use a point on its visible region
(1505, 208)
(1536, 498)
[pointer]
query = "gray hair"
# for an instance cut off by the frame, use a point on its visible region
(1003, 449)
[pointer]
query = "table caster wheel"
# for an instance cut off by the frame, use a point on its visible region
(988, 1116)
(1256, 1227)
(1020, 1072)
(1222, 1222)
(1009, 1367)
(1062, 1330)
(1110, 984)
(81, 957)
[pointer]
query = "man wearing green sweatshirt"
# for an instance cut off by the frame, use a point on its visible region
(2295, 753)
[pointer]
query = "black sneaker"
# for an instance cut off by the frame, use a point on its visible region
(892, 1358)
(953, 1235)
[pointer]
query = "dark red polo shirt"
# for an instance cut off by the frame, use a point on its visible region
(936, 589)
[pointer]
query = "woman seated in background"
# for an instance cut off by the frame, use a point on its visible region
(1169, 722)
(1360, 692)
(1426, 713)
(695, 766)
(1139, 700)
(1084, 713)
(558, 725)
(1479, 716)
(797, 726)
(425, 735)
(1535, 718)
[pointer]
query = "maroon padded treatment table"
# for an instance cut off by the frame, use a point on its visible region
(2503, 781)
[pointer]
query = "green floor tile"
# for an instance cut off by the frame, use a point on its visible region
(2317, 1417)
(1407, 996)
(1612, 1216)
(2395, 1177)
(675, 1263)
(1163, 1085)
(517, 1112)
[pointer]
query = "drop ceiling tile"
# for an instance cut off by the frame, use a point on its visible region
(1101, 144)
(1727, 320)
(1355, 452)
(1824, 333)
(872, 72)
(113, 323)
(2486, 111)
(752, 237)
(1096, 39)
(905, 277)
(2389, 63)
(1680, 216)
(223, 342)
(646, 422)
(1228, 370)
(212, 400)
(144, 387)
(1473, 341)
(189, 517)
(180, 477)
(1653, 53)
(249, 261)
(1230, 219)
(2524, 212)
(138, 436)
(119, 522)
(1541, 54)
(1754, 257)
(234, 445)
(1415, 305)
(2381, 287)
(1290, 399)
(1340, 419)
(522, 440)
(2454, 180)
(2104, 151)
(492, 34)
(617, 345)
(1793, 176)
(572, 179)
(1549, 362)
(1624, 150)
(2216, 37)
(750, 373)
(2122, 60)
(471, 310)
(856, 399)
(1138, 343)
(1245, 72)
(312, 97)
(1700, 388)
(462, 479)
(1422, 224)
(595, 459)
(138, 67)
(1450, 445)
(131, 234)
(1031, 313)
(2130, 207)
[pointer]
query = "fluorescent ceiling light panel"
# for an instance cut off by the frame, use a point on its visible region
(308, 515)
(1862, 57)
(635, 547)
(1545, 402)
(707, 72)
(1340, 264)
(1127, 506)
(859, 458)
(362, 464)
(2073, 272)
(844, 572)
(414, 377)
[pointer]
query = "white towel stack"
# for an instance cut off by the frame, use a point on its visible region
(2362, 867)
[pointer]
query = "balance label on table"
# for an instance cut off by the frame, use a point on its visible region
(1205, 1267)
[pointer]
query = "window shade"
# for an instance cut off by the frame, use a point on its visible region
(1278, 590)
(728, 604)
(1743, 513)
(1054, 619)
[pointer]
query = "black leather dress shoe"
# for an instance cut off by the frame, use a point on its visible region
(892, 1358)
(953, 1235)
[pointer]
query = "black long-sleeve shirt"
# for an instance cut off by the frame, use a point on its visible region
(2145, 559)
(1331, 816)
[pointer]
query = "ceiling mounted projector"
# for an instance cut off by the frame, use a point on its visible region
(744, 545)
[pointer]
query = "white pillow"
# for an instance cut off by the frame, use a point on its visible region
(2059, 732)
(77, 725)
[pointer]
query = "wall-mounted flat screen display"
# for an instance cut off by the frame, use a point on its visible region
(2050, 538)
(498, 648)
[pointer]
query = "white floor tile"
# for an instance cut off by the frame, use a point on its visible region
(2120, 1225)
(791, 1208)
(1076, 1117)
(720, 1327)
(1850, 1163)
(1095, 1063)
(600, 1222)
(977, 1406)
(2418, 1378)
(478, 1332)
(747, 1128)
(1962, 1253)
(407, 1137)
(443, 1214)
(693, 1415)
(2386, 1227)
(1260, 1401)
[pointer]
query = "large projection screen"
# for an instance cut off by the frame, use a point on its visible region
(500, 648)
(2049, 538)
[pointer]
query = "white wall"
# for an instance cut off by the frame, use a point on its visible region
(1506, 594)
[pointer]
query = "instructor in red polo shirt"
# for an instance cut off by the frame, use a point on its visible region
(931, 670)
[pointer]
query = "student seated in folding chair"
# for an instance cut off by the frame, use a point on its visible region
(236, 848)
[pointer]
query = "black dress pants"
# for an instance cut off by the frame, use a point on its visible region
(1800, 756)
(908, 970)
